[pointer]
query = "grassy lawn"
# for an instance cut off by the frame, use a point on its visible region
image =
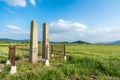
(84, 62)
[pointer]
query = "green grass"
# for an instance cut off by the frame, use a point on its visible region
(84, 62)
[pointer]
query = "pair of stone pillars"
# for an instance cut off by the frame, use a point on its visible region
(34, 43)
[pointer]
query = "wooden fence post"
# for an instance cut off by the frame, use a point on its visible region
(8, 61)
(12, 52)
(64, 52)
(52, 50)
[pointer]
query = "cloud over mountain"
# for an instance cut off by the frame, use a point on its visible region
(64, 29)
(70, 31)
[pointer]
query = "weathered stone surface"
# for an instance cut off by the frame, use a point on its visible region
(34, 42)
(45, 43)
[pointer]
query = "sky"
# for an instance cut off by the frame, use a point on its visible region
(69, 20)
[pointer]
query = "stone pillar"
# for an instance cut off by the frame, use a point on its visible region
(34, 42)
(12, 52)
(45, 44)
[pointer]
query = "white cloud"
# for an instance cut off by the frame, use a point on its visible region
(98, 34)
(67, 30)
(33, 2)
(21, 3)
(21, 32)
(63, 30)
(13, 27)
(16, 30)
(68, 26)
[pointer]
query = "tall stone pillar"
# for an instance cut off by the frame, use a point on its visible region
(34, 42)
(45, 44)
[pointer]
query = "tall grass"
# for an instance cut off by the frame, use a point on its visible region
(84, 62)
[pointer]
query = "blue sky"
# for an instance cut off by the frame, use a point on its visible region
(69, 20)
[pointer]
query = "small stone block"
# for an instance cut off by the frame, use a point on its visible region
(13, 70)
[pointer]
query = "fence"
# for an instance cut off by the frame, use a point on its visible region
(57, 50)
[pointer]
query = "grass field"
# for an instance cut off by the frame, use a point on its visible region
(84, 62)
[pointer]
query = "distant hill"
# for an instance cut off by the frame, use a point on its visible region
(80, 42)
(58, 42)
(110, 42)
(4, 40)
(115, 42)
(75, 42)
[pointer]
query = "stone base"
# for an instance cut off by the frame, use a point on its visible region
(8, 62)
(65, 58)
(13, 70)
(46, 62)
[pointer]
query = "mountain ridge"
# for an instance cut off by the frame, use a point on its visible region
(6, 40)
